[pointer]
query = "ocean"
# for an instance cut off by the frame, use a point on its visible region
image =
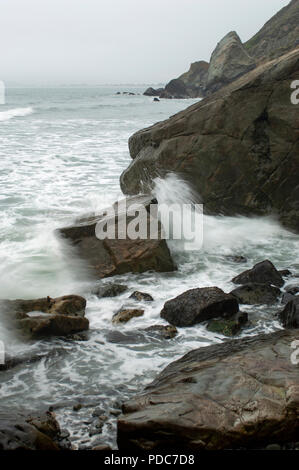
(61, 154)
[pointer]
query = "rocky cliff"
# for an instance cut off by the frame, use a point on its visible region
(279, 35)
(231, 58)
(239, 147)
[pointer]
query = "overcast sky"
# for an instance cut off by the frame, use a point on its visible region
(118, 41)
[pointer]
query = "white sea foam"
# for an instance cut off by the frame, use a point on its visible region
(15, 113)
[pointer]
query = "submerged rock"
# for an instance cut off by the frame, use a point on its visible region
(254, 293)
(261, 273)
(289, 316)
(124, 315)
(230, 327)
(224, 396)
(198, 305)
(162, 331)
(121, 254)
(109, 290)
(47, 316)
(141, 296)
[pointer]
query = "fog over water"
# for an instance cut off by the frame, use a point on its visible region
(117, 41)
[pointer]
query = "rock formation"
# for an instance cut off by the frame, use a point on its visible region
(119, 255)
(239, 148)
(237, 394)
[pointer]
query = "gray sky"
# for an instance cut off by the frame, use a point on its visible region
(118, 41)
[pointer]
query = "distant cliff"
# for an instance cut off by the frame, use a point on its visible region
(232, 59)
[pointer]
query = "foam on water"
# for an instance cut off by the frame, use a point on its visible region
(65, 161)
(14, 113)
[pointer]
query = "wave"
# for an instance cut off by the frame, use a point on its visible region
(16, 112)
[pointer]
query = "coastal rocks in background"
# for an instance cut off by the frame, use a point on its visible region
(254, 293)
(37, 318)
(175, 89)
(141, 296)
(238, 148)
(109, 290)
(198, 305)
(228, 62)
(224, 396)
(261, 273)
(230, 327)
(109, 257)
(19, 432)
(153, 92)
(289, 317)
(195, 79)
(125, 314)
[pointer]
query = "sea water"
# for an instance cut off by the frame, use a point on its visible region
(61, 154)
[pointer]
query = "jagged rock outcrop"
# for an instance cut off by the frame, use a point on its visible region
(238, 148)
(228, 62)
(121, 254)
(237, 394)
(278, 36)
(196, 77)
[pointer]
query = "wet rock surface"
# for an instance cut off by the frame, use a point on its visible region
(254, 293)
(141, 296)
(289, 316)
(126, 314)
(198, 305)
(261, 273)
(120, 254)
(238, 394)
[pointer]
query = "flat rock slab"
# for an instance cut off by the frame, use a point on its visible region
(198, 305)
(112, 256)
(236, 394)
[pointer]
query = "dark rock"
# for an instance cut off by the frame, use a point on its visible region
(262, 273)
(238, 148)
(236, 259)
(77, 407)
(254, 293)
(152, 91)
(141, 296)
(162, 331)
(285, 273)
(102, 448)
(228, 62)
(126, 337)
(109, 290)
(156, 99)
(124, 315)
(293, 290)
(286, 297)
(230, 327)
(120, 255)
(20, 432)
(289, 316)
(177, 89)
(226, 396)
(198, 305)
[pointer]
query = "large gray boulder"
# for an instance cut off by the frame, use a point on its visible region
(239, 148)
(228, 62)
(242, 393)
